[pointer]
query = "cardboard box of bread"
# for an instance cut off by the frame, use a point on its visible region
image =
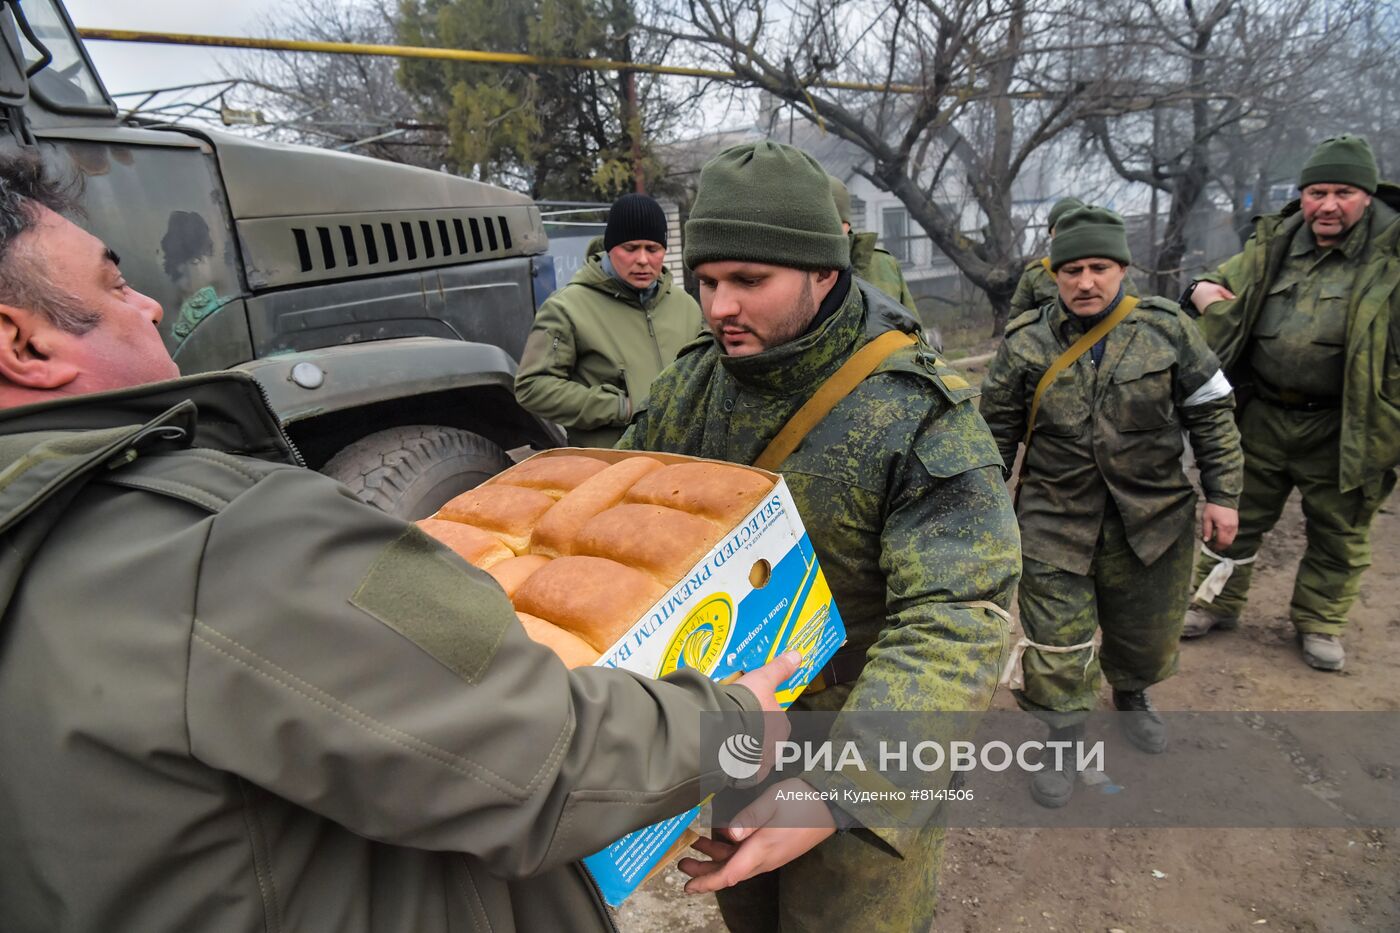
(649, 562)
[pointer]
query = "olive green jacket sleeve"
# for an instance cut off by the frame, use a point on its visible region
(885, 274)
(1027, 295)
(1225, 323)
(354, 667)
(544, 383)
(950, 539)
(1206, 406)
(1004, 403)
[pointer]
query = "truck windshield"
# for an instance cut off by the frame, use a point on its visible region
(67, 81)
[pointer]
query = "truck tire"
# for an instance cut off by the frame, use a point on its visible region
(410, 472)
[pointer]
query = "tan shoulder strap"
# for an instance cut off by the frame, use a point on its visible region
(1045, 261)
(839, 385)
(1077, 349)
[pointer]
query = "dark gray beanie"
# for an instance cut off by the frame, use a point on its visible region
(1342, 160)
(634, 217)
(842, 196)
(765, 202)
(1087, 233)
(1060, 208)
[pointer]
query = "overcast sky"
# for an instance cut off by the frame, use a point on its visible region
(126, 66)
(129, 66)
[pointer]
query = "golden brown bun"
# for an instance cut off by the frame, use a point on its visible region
(572, 650)
(596, 599)
(509, 512)
(661, 541)
(557, 531)
(553, 476)
(513, 572)
(479, 548)
(717, 491)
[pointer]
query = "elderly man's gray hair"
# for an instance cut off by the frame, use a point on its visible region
(26, 186)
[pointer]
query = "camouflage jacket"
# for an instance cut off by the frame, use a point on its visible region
(1370, 435)
(1114, 429)
(1037, 286)
(899, 488)
(879, 268)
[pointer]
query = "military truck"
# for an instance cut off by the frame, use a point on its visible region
(382, 307)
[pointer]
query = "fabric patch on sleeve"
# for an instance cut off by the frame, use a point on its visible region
(452, 611)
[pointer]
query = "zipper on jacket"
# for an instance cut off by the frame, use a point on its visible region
(655, 344)
(291, 445)
(597, 892)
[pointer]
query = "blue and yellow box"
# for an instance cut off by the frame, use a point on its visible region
(758, 592)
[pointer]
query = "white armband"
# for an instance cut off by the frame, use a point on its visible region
(1216, 388)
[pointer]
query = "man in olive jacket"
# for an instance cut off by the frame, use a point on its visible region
(599, 341)
(868, 261)
(899, 487)
(236, 698)
(1308, 316)
(1106, 510)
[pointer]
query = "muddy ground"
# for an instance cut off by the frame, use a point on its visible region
(1309, 881)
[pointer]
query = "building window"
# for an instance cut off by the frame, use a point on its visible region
(894, 232)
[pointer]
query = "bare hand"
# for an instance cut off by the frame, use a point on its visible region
(751, 845)
(764, 681)
(1208, 293)
(1219, 525)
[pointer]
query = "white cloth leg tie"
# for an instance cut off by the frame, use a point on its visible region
(1214, 583)
(1012, 674)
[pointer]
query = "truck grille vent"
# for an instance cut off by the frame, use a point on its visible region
(367, 245)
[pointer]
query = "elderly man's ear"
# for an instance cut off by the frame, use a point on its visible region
(31, 351)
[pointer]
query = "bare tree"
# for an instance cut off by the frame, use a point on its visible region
(1218, 94)
(992, 87)
(351, 102)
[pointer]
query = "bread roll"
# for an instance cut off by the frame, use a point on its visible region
(557, 531)
(596, 599)
(553, 476)
(507, 511)
(475, 546)
(572, 650)
(663, 542)
(719, 492)
(514, 571)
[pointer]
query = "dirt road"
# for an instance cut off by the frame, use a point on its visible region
(1300, 881)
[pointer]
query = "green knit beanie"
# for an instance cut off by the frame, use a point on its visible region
(1342, 160)
(1060, 208)
(1089, 232)
(765, 202)
(842, 197)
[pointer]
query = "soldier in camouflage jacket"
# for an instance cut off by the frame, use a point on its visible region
(1308, 317)
(1105, 508)
(899, 487)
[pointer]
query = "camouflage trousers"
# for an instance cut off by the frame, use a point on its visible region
(1283, 450)
(849, 882)
(1139, 609)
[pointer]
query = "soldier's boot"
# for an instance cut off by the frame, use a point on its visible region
(1052, 787)
(1323, 652)
(1143, 725)
(1199, 621)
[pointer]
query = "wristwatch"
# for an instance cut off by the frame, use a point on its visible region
(1185, 301)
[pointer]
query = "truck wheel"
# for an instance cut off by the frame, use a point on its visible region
(410, 472)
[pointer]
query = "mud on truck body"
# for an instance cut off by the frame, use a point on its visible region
(382, 307)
